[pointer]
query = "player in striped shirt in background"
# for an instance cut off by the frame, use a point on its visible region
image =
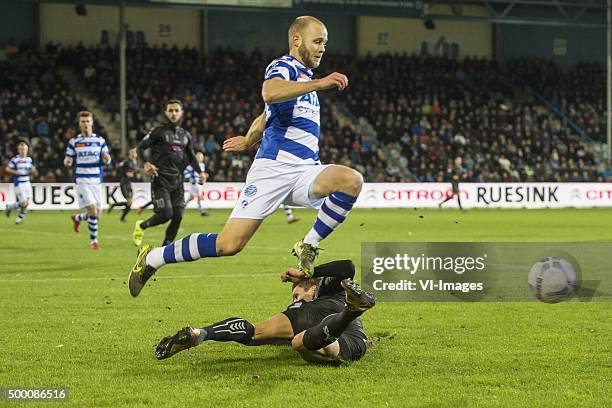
(194, 183)
(21, 167)
(87, 151)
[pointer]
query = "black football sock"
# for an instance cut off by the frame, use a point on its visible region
(447, 199)
(125, 212)
(459, 201)
(330, 328)
(233, 329)
(156, 219)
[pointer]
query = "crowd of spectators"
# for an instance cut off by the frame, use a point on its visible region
(577, 92)
(221, 96)
(450, 117)
(36, 106)
(437, 116)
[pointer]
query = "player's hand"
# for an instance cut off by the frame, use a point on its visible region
(235, 144)
(333, 80)
(150, 169)
(202, 178)
(292, 275)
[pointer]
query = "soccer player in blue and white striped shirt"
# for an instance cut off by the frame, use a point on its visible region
(286, 169)
(192, 177)
(87, 152)
(21, 167)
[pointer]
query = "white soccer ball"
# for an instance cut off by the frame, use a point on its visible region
(552, 279)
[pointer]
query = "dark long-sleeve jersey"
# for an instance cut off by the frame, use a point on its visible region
(330, 297)
(125, 167)
(171, 151)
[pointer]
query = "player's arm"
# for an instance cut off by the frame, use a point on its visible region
(34, 171)
(277, 89)
(148, 141)
(253, 136)
(332, 273)
(105, 154)
(70, 154)
(10, 169)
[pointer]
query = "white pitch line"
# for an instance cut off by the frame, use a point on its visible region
(203, 275)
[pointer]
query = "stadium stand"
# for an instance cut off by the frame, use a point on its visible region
(434, 116)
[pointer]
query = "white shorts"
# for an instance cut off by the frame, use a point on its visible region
(195, 189)
(89, 194)
(270, 183)
(23, 191)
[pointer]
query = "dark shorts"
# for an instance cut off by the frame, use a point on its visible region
(352, 341)
(353, 345)
(165, 196)
(126, 189)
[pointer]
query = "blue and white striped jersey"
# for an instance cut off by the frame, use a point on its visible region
(87, 154)
(191, 176)
(292, 128)
(23, 165)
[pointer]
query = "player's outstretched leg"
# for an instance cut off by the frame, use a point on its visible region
(9, 208)
(447, 199)
(141, 272)
(138, 233)
(289, 214)
(235, 235)
(22, 212)
(92, 224)
(201, 208)
(170, 345)
(141, 209)
(234, 329)
(125, 211)
(340, 185)
(76, 220)
(330, 328)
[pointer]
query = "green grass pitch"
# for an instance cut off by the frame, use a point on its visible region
(68, 320)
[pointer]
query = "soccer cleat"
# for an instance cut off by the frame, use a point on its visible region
(18, 221)
(76, 226)
(94, 245)
(204, 213)
(170, 345)
(357, 299)
(291, 221)
(306, 255)
(141, 272)
(7, 211)
(138, 233)
(139, 211)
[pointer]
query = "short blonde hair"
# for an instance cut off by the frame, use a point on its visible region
(84, 114)
(299, 24)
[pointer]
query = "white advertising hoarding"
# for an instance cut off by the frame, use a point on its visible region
(374, 195)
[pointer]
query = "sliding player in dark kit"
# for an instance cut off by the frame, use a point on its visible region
(322, 324)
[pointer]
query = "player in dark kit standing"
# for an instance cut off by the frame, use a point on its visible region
(127, 170)
(455, 192)
(171, 151)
